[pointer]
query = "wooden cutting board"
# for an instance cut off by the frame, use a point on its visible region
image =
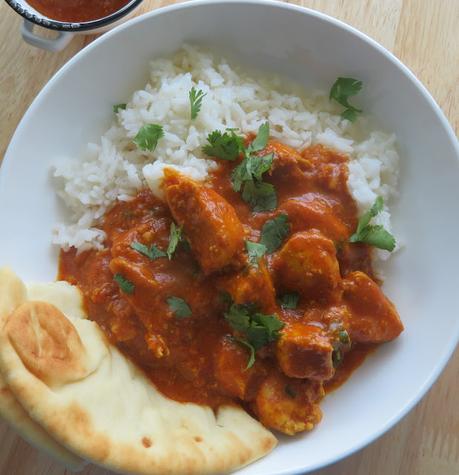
(423, 34)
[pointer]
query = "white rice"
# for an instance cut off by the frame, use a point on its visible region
(116, 169)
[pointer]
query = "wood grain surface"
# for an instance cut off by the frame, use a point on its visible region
(424, 35)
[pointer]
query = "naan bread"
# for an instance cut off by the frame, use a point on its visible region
(12, 294)
(88, 396)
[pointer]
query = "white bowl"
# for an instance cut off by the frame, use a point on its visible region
(76, 106)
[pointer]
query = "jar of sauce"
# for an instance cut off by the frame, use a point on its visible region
(68, 17)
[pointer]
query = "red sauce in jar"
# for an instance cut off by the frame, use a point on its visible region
(77, 10)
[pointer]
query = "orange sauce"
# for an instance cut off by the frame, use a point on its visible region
(351, 362)
(77, 10)
(140, 323)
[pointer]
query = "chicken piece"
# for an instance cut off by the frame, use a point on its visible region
(373, 317)
(210, 223)
(327, 317)
(307, 263)
(354, 256)
(153, 233)
(314, 212)
(231, 372)
(285, 158)
(122, 324)
(305, 351)
(288, 405)
(139, 275)
(144, 292)
(327, 167)
(251, 285)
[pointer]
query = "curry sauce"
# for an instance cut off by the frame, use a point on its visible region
(77, 10)
(339, 312)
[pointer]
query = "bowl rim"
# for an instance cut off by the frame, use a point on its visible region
(57, 25)
(450, 348)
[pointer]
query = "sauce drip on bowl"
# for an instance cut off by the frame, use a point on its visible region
(77, 10)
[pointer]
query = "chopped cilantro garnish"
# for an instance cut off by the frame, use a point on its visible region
(343, 337)
(151, 252)
(260, 165)
(180, 308)
(274, 231)
(257, 328)
(337, 358)
(196, 96)
(255, 251)
(350, 114)
(241, 174)
(342, 89)
(125, 285)
(226, 145)
(261, 196)
(364, 221)
(250, 347)
(341, 342)
(289, 300)
(261, 140)
(118, 107)
(374, 235)
(378, 237)
(148, 135)
(248, 175)
(175, 235)
(251, 168)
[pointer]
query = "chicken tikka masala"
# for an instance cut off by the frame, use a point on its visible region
(244, 289)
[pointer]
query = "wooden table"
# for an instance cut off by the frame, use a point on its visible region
(423, 34)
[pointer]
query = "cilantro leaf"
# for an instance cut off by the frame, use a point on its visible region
(148, 136)
(249, 169)
(259, 165)
(257, 328)
(343, 337)
(350, 114)
(374, 235)
(151, 252)
(118, 107)
(251, 361)
(370, 214)
(264, 329)
(289, 300)
(125, 285)
(261, 196)
(342, 89)
(175, 235)
(196, 96)
(226, 146)
(255, 251)
(261, 140)
(241, 174)
(247, 175)
(337, 358)
(274, 231)
(180, 308)
(377, 236)
(238, 316)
